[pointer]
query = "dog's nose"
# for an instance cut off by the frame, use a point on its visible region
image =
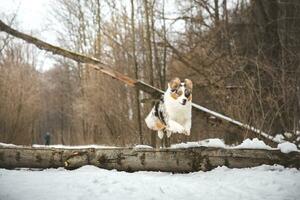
(183, 101)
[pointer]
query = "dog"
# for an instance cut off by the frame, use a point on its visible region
(173, 112)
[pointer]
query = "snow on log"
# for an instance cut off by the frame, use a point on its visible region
(144, 159)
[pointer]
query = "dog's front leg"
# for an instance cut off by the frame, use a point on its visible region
(169, 133)
(175, 127)
(187, 127)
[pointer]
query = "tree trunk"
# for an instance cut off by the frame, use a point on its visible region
(149, 58)
(164, 65)
(135, 159)
(136, 74)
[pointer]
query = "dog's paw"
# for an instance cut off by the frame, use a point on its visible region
(187, 132)
(160, 134)
(169, 133)
(174, 127)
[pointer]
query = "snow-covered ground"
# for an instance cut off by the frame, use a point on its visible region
(88, 182)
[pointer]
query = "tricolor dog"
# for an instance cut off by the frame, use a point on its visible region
(173, 113)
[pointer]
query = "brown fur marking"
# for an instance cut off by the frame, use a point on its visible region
(179, 92)
(159, 125)
(174, 95)
(175, 83)
(190, 97)
(188, 84)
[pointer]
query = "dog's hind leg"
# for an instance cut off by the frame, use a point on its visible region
(168, 138)
(168, 141)
(160, 134)
(162, 139)
(165, 142)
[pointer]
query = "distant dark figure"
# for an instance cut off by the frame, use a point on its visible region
(47, 138)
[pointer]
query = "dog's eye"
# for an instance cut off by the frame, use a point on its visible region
(187, 93)
(174, 90)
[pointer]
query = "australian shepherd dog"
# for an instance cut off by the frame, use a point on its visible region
(173, 113)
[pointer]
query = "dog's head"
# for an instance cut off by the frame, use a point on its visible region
(180, 91)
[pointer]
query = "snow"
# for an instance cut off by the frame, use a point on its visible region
(74, 147)
(141, 146)
(7, 145)
(287, 147)
(218, 143)
(214, 142)
(279, 137)
(61, 146)
(88, 182)
(288, 135)
(253, 144)
(185, 145)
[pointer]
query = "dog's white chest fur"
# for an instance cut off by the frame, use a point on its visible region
(178, 112)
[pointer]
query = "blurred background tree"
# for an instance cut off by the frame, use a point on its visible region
(243, 57)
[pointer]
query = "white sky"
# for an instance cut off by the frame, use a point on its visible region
(32, 17)
(30, 12)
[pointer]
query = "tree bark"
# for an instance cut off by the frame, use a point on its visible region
(149, 57)
(135, 159)
(164, 65)
(136, 74)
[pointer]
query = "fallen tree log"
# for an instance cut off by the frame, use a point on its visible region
(146, 159)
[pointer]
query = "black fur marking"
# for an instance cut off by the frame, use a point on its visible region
(187, 93)
(157, 112)
(161, 117)
(156, 109)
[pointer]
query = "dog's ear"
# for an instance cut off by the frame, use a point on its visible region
(188, 84)
(174, 83)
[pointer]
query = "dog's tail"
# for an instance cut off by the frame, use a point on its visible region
(150, 120)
